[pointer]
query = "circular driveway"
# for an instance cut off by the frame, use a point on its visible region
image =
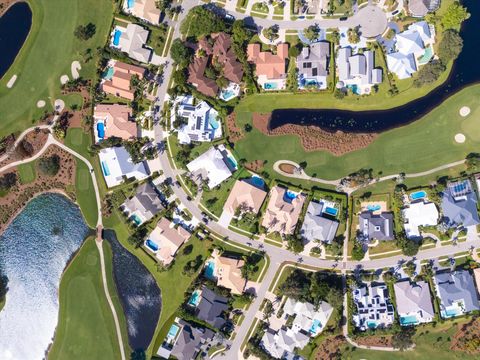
(372, 21)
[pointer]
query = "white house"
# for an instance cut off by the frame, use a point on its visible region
(374, 308)
(117, 164)
(133, 40)
(419, 214)
(202, 122)
(414, 304)
(214, 166)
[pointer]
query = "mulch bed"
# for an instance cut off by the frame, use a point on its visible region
(5, 4)
(330, 348)
(76, 120)
(18, 196)
(36, 138)
(314, 138)
(288, 168)
(255, 165)
(234, 132)
(375, 340)
(467, 338)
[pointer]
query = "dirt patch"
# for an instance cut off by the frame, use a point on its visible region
(255, 165)
(5, 5)
(330, 348)
(288, 168)
(29, 146)
(467, 338)
(234, 132)
(376, 340)
(314, 138)
(20, 194)
(76, 120)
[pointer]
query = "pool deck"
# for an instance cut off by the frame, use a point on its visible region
(365, 204)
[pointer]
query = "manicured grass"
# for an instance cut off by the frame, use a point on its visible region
(86, 194)
(27, 172)
(47, 54)
(422, 145)
(86, 328)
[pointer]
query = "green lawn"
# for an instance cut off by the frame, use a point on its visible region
(27, 172)
(86, 194)
(430, 141)
(47, 54)
(86, 328)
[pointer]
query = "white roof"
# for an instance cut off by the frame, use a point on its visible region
(402, 65)
(212, 165)
(306, 316)
(414, 299)
(409, 42)
(199, 126)
(132, 42)
(283, 342)
(419, 214)
(117, 163)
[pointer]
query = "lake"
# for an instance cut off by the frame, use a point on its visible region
(465, 71)
(138, 292)
(34, 251)
(15, 25)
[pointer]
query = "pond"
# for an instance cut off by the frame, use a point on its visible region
(15, 25)
(465, 71)
(34, 251)
(138, 292)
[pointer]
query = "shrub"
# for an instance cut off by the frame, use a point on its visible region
(49, 165)
(85, 32)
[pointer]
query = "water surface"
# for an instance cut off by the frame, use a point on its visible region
(34, 251)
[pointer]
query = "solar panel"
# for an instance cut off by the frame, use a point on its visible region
(460, 188)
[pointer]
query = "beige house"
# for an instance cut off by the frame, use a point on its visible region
(116, 121)
(283, 211)
(119, 84)
(167, 239)
(228, 273)
(146, 10)
(245, 195)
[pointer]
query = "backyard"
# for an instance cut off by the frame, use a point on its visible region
(53, 25)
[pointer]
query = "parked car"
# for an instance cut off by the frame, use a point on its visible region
(343, 18)
(395, 12)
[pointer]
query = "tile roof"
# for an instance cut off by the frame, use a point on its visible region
(273, 66)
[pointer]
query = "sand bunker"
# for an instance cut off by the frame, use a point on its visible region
(64, 79)
(11, 81)
(40, 103)
(464, 111)
(75, 68)
(460, 138)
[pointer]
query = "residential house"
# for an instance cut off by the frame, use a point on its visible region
(283, 211)
(459, 204)
(185, 341)
(211, 308)
(476, 276)
(245, 195)
(133, 42)
(144, 9)
(414, 303)
(166, 239)
(374, 308)
(202, 124)
(227, 272)
(375, 226)
(117, 165)
(114, 120)
(307, 323)
(357, 71)
(312, 65)
(414, 47)
(144, 205)
(456, 292)
(119, 84)
(218, 50)
(271, 69)
(420, 8)
(214, 166)
(419, 214)
(316, 227)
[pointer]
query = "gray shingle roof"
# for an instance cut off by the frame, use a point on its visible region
(316, 227)
(211, 307)
(413, 297)
(460, 210)
(454, 286)
(190, 340)
(146, 201)
(379, 227)
(313, 60)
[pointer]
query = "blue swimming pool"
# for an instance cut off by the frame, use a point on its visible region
(408, 320)
(101, 130)
(374, 207)
(372, 324)
(289, 196)
(270, 85)
(136, 219)
(173, 331)
(213, 122)
(210, 270)
(108, 74)
(116, 37)
(151, 245)
(130, 3)
(331, 211)
(257, 182)
(232, 162)
(106, 171)
(315, 327)
(227, 94)
(418, 195)
(194, 299)
(450, 313)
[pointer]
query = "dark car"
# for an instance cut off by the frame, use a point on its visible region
(343, 18)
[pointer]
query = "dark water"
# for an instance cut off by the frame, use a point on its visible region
(465, 71)
(14, 27)
(34, 251)
(138, 292)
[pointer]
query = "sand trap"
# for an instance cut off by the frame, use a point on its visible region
(460, 138)
(59, 105)
(11, 81)
(40, 103)
(64, 79)
(75, 68)
(464, 111)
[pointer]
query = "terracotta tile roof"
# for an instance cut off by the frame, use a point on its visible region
(119, 85)
(117, 121)
(196, 76)
(273, 66)
(243, 192)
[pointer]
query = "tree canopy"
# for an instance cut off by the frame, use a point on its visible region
(454, 16)
(201, 21)
(429, 73)
(180, 53)
(311, 33)
(451, 46)
(85, 32)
